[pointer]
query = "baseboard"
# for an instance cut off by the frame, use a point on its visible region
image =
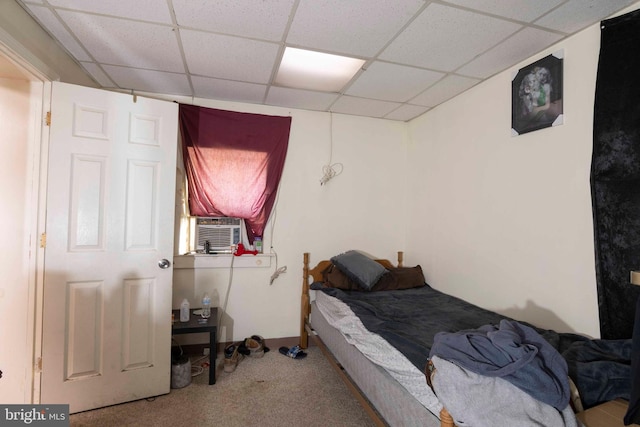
(271, 343)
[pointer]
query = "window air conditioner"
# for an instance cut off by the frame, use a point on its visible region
(220, 232)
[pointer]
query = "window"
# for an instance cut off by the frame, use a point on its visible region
(233, 163)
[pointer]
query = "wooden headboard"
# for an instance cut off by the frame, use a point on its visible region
(305, 327)
(316, 274)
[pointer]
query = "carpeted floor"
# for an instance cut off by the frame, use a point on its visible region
(270, 391)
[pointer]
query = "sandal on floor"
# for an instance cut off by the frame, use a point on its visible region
(294, 352)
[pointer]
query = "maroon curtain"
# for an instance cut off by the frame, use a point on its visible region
(234, 162)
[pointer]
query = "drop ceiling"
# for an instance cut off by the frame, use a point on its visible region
(418, 53)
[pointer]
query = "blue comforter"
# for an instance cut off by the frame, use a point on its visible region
(409, 319)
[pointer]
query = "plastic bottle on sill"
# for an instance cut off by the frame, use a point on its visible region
(184, 311)
(206, 306)
(257, 243)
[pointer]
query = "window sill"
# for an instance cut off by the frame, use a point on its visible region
(221, 261)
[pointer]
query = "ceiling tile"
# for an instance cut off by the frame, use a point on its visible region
(228, 90)
(149, 81)
(228, 57)
(58, 31)
(363, 107)
(391, 82)
(98, 75)
(299, 98)
(130, 43)
(230, 49)
(517, 48)
(577, 14)
(266, 20)
(521, 10)
(444, 38)
(407, 112)
(144, 10)
(354, 27)
(445, 89)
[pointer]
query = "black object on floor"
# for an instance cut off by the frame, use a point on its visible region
(294, 352)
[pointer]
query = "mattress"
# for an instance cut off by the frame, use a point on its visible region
(393, 385)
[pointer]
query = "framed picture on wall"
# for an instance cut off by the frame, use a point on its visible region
(536, 95)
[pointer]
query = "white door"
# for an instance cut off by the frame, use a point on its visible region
(110, 210)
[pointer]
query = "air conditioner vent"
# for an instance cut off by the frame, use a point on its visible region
(220, 232)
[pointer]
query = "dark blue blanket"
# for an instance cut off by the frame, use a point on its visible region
(409, 319)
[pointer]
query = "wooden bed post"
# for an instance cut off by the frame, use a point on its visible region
(304, 303)
(446, 420)
(317, 273)
(305, 299)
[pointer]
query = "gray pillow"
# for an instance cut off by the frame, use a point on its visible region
(360, 268)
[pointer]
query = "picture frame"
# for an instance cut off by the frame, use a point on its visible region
(537, 95)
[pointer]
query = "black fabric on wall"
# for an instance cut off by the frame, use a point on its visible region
(615, 174)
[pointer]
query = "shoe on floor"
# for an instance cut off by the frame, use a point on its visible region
(261, 341)
(254, 346)
(231, 358)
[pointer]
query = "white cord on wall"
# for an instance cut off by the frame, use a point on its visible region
(280, 270)
(226, 297)
(329, 170)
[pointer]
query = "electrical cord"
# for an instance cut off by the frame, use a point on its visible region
(226, 297)
(198, 370)
(201, 358)
(195, 370)
(278, 271)
(330, 172)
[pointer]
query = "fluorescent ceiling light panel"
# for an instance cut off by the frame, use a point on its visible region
(305, 69)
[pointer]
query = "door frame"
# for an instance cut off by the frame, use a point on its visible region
(39, 226)
(38, 143)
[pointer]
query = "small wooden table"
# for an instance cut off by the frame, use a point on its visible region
(196, 326)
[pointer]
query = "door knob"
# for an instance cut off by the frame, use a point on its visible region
(164, 263)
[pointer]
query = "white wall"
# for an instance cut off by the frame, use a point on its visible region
(15, 219)
(504, 221)
(362, 208)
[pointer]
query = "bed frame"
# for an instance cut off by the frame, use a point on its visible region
(306, 331)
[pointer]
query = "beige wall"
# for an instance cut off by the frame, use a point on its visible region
(15, 215)
(504, 221)
(362, 208)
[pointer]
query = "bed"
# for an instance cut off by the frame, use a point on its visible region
(387, 370)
